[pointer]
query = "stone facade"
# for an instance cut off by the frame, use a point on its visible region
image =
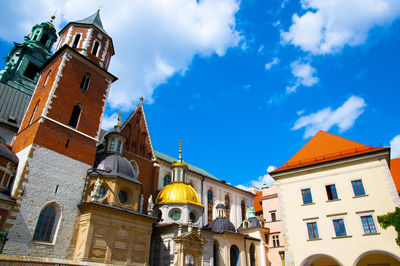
(43, 184)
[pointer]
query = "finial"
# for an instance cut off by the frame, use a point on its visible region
(53, 16)
(98, 10)
(180, 149)
(141, 99)
(119, 117)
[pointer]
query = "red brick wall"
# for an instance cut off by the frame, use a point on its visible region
(84, 31)
(66, 95)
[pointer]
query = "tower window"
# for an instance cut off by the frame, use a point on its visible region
(73, 121)
(47, 78)
(44, 39)
(35, 35)
(76, 41)
(85, 83)
(95, 48)
(31, 71)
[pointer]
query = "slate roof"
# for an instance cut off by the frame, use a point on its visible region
(192, 168)
(13, 104)
(324, 147)
(93, 20)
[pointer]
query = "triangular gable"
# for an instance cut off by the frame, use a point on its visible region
(325, 147)
(192, 236)
(133, 128)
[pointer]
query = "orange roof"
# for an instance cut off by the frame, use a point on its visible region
(325, 147)
(257, 202)
(395, 169)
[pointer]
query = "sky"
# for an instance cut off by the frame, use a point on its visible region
(244, 84)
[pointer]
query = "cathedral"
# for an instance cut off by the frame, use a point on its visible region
(72, 193)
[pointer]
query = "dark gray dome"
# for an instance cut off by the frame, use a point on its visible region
(253, 223)
(220, 225)
(115, 165)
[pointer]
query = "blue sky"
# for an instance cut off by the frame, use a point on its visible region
(244, 84)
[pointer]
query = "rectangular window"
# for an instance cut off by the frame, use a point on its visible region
(368, 224)
(306, 193)
(273, 216)
(340, 230)
(358, 187)
(275, 241)
(331, 192)
(312, 230)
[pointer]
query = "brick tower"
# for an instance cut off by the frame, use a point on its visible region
(56, 143)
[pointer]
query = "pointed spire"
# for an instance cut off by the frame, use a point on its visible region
(180, 150)
(93, 20)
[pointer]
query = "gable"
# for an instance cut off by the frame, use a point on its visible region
(137, 134)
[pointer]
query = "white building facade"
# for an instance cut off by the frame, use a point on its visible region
(329, 208)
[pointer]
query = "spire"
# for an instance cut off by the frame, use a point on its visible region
(180, 150)
(93, 20)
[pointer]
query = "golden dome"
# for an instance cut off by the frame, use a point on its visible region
(178, 192)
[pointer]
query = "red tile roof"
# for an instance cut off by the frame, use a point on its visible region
(257, 202)
(395, 169)
(325, 147)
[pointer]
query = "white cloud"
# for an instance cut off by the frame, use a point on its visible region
(260, 49)
(304, 75)
(300, 112)
(274, 61)
(154, 39)
(395, 147)
(109, 122)
(328, 26)
(261, 181)
(343, 117)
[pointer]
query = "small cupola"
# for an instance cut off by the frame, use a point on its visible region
(114, 140)
(179, 168)
(43, 34)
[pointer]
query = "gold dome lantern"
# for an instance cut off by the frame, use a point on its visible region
(178, 193)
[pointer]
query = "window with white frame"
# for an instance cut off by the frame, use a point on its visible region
(275, 241)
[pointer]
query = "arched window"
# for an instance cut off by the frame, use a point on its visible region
(118, 146)
(76, 41)
(227, 207)
(243, 206)
(167, 180)
(46, 224)
(95, 48)
(34, 112)
(44, 38)
(234, 255)
(252, 255)
(215, 253)
(210, 205)
(76, 112)
(85, 82)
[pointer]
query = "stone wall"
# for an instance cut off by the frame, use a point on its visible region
(59, 180)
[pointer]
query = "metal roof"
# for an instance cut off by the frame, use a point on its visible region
(13, 104)
(93, 20)
(192, 168)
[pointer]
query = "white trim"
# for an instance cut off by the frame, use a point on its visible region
(70, 128)
(66, 57)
